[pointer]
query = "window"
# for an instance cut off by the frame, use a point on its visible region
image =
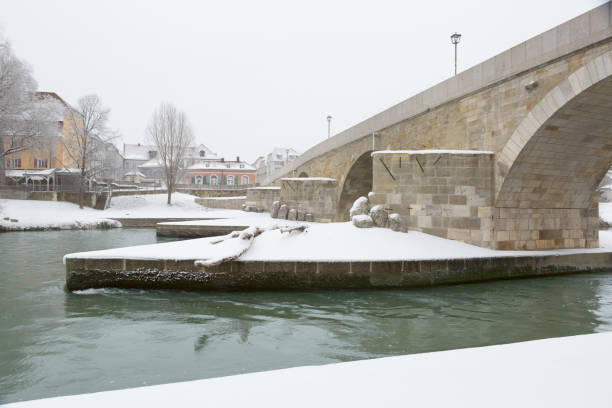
(230, 180)
(279, 157)
(245, 179)
(207, 164)
(227, 165)
(202, 153)
(40, 163)
(198, 180)
(15, 163)
(213, 179)
(242, 166)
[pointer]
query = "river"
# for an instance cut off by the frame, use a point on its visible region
(59, 343)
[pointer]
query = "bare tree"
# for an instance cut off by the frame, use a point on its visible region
(25, 119)
(171, 133)
(86, 131)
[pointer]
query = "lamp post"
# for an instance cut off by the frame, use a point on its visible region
(455, 40)
(329, 118)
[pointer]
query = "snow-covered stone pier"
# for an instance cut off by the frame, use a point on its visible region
(321, 256)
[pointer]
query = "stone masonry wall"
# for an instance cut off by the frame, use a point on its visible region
(545, 228)
(262, 197)
(232, 203)
(437, 193)
(315, 195)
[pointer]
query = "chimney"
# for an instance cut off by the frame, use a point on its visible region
(222, 159)
(238, 159)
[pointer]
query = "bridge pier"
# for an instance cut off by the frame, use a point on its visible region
(451, 194)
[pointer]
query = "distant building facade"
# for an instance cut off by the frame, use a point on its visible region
(221, 172)
(275, 160)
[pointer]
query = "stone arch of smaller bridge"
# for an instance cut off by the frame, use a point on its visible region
(303, 174)
(357, 183)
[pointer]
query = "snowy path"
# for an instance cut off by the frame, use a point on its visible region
(560, 372)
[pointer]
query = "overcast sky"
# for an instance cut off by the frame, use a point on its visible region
(252, 75)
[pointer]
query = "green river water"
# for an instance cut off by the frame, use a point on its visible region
(57, 343)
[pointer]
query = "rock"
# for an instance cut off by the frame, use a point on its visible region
(292, 215)
(14, 220)
(380, 216)
(396, 223)
(370, 195)
(275, 207)
(6, 218)
(283, 212)
(243, 207)
(360, 207)
(259, 210)
(309, 217)
(362, 221)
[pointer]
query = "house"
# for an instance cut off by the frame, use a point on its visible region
(144, 159)
(275, 160)
(221, 172)
(47, 151)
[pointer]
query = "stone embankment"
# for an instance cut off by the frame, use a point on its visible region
(84, 273)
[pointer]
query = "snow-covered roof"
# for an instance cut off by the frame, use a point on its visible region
(431, 151)
(221, 165)
(194, 152)
(153, 163)
(134, 173)
(137, 151)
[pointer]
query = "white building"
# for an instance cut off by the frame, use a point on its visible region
(275, 160)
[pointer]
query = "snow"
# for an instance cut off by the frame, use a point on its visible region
(33, 214)
(430, 152)
(226, 198)
(559, 372)
(264, 188)
(331, 242)
(308, 178)
(605, 212)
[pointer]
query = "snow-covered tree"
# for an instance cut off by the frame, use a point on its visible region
(171, 133)
(87, 131)
(26, 120)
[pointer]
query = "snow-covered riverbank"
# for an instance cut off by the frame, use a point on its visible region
(559, 372)
(33, 214)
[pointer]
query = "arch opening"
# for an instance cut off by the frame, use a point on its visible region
(357, 183)
(303, 174)
(548, 194)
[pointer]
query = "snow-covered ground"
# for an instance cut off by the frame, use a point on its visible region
(605, 212)
(561, 372)
(324, 242)
(33, 214)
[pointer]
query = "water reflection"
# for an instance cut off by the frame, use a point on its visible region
(58, 343)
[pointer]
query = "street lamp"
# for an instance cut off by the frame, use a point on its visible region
(329, 118)
(455, 40)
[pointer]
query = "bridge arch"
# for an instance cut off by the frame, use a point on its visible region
(556, 157)
(357, 182)
(303, 174)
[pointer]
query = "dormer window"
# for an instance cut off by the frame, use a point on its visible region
(202, 153)
(227, 165)
(242, 166)
(152, 154)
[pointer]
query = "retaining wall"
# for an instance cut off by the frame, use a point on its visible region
(314, 195)
(261, 275)
(262, 197)
(232, 203)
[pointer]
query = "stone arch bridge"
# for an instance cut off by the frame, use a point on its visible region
(544, 110)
